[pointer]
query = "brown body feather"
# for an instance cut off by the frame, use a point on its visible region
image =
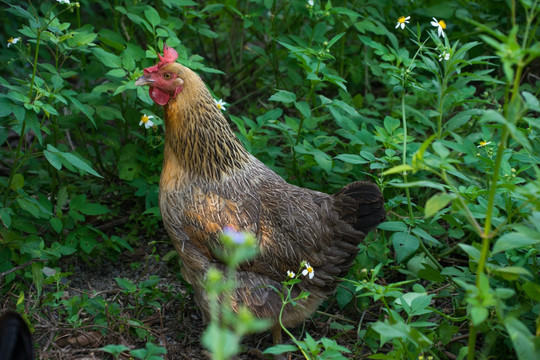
(209, 181)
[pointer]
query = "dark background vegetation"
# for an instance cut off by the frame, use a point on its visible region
(324, 94)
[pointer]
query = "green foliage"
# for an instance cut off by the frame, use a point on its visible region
(226, 328)
(323, 93)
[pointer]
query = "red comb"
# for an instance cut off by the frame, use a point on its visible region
(169, 56)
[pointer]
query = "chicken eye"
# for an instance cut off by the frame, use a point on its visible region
(167, 76)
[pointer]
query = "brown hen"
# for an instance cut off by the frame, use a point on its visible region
(210, 181)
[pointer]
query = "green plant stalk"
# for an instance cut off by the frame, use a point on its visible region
(283, 304)
(407, 192)
(487, 235)
(440, 108)
(23, 127)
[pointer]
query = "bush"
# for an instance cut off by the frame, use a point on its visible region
(324, 93)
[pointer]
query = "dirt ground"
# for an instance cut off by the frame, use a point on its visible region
(177, 327)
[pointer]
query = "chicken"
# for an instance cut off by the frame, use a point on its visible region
(209, 181)
(15, 338)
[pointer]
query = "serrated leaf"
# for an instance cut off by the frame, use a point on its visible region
(56, 224)
(153, 16)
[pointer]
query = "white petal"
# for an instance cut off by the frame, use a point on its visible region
(305, 272)
(407, 18)
(435, 23)
(140, 123)
(396, 28)
(311, 274)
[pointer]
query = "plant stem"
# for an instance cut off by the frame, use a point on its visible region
(407, 192)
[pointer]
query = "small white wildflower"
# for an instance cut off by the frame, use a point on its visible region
(291, 274)
(64, 2)
(145, 120)
(402, 21)
(311, 3)
(12, 41)
(308, 271)
(483, 143)
(220, 104)
(445, 55)
(440, 25)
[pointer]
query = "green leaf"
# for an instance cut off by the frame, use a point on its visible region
(56, 224)
(58, 158)
(474, 253)
(5, 216)
(93, 209)
(437, 202)
(280, 349)
(478, 315)
(126, 284)
(512, 273)
(79, 163)
(523, 340)
(393, 226)
(513, 240)
(114, 349)
(351, 159)
(87, 243)
(53, 159)
(108, 59)
(153, 16)
(118, 73)
(303, 107)
(17, 182)
(405, 244)
(83, 109)
(283, 96)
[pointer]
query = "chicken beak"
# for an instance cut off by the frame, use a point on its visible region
(143, 80)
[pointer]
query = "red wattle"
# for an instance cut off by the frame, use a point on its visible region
(159, 96)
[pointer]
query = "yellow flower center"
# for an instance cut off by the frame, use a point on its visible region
(144, 119)
(218, 106)
(401, 20)
(442, 24)
(483, 143)
(309, 269)
(10, 40)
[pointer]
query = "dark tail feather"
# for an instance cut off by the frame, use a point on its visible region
(15, 338)
(360, 204)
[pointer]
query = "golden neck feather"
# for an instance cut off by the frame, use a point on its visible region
(198, 135)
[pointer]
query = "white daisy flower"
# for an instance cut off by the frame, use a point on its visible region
(445, 55)
(12, 41)
(64, 2)
(290, 274)
(440, 25)
(402, 21)
(220, 104)
(145, 120)
(308, 271)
